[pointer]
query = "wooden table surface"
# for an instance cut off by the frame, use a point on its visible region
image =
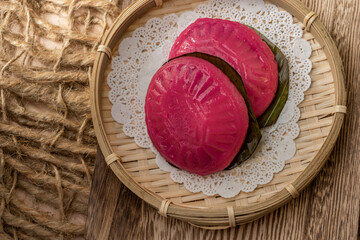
(327, 209)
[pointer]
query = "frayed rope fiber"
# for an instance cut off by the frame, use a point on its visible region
(47, 141)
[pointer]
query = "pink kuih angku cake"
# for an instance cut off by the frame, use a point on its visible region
(195, 116)
(239, 46)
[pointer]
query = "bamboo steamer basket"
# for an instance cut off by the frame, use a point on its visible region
(322, 115)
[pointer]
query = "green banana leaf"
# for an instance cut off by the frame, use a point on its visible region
(272, 113)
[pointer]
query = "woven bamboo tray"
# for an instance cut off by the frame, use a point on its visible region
(322, 114)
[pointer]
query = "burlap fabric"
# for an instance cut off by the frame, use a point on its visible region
(47, 141)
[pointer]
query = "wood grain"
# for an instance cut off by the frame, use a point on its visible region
(327, 209)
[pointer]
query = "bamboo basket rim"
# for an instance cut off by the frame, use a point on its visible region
(218, 217)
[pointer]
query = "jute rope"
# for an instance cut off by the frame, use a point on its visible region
(47, 142)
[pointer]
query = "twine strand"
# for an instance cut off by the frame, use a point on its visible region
(10, 62)
(6, 20)
(22, 223)
(60, 192)
(53, 119)
(2, 208)
(57, 136)
(3, 105)
(60, 101)
(42, 194)
(82, 129)
(86, 170)
(27, 28)
(43, 138)
(8, 197)
(28, 172)
(58, 61)
(2, 165)
(39, 154)
(87, 20)
(14, 234)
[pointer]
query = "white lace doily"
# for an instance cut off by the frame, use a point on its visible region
(142, 54)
